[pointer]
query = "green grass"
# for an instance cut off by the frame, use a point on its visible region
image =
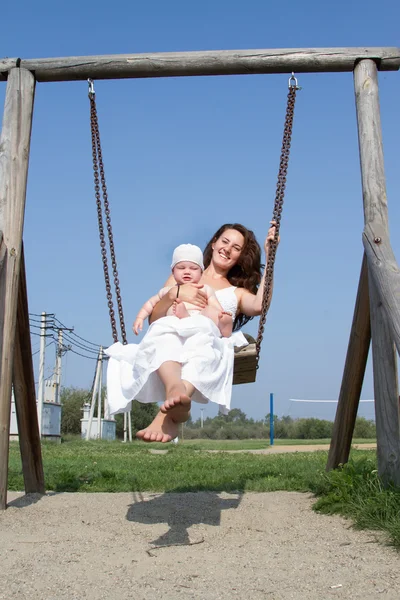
(252, 444)
(356, 491)
(109, 467)
(353, 490)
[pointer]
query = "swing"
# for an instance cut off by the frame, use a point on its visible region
(247, 358)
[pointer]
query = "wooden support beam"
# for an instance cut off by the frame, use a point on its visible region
(14, 157)
(383, 273)
(25, 395)
(386, 391)
(353, 375)
(211, 62)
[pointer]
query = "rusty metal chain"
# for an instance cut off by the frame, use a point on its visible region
(99, 178)
(276, 216)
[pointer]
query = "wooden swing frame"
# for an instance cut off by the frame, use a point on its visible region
(377, 310)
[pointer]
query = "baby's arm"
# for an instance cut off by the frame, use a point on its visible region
(147, 309)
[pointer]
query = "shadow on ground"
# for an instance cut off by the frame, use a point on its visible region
(180, 511)
(27, 499)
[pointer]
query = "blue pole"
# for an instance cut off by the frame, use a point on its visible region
(271, 419)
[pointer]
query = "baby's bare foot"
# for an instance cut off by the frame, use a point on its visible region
(225, 324)
(179, 309)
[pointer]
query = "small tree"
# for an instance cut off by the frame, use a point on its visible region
(236, 416)
(364, 428)
(72, 400)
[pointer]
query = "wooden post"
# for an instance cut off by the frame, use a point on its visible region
(14, 157)
(25, 396)
(376, 219)
(385, 272)
(353, 375)
(386, 391)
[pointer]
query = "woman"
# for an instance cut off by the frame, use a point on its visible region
(194, 362)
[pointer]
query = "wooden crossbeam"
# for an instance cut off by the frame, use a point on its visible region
(211, 62)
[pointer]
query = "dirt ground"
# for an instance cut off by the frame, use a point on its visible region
(281, 449)
(196, 545)
(299, 448)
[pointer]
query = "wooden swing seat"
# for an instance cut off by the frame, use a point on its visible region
(245, 366)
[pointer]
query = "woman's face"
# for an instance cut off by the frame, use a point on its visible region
(227, 249)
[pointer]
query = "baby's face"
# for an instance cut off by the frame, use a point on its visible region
(186, 272)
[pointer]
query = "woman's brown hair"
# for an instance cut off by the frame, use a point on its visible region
(247, 271)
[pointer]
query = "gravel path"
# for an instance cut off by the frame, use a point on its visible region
(247, 546)
(279, 449)
(298, 448)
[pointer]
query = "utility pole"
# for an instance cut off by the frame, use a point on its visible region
(99, 394)
(57, 374)
(41, 370)
(57, 370)
(201, 418)
(97, 382)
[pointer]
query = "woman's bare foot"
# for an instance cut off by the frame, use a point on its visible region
(179, 404)
(162, 429)
(179, 309)
(177, 401)
(225, 324)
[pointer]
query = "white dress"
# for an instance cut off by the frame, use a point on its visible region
(195, 342)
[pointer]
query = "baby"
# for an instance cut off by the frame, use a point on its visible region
(187, 267)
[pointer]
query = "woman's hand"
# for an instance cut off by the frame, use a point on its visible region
(193, 294)
(270, 237)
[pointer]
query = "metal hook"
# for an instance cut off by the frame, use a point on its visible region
(291, 80)
(91, 88)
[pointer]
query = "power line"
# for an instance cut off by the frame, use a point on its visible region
(78, 336)
(90, 357)
(83, 339)
(51, 324)
(40, 320)
(67, 348)
(81, 346)
(47, 345)
(41, 327)
(45, 335)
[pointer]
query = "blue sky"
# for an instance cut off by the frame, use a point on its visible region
(184, 155)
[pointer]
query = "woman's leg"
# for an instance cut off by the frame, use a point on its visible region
(176, 408)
